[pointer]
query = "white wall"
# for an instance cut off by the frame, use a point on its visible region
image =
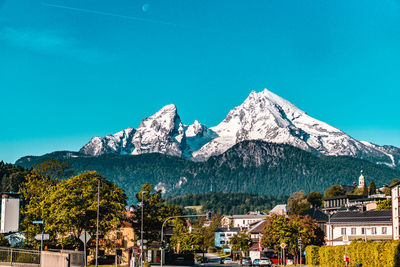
(9, 215)
(337, 232)
(245, 222)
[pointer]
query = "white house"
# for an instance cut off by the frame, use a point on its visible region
(242, 221)
(349, 225)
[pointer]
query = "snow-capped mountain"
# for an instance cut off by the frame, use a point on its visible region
(120, 143)
(262, 116)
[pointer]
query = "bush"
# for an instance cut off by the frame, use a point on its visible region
(379, 253)
(312, 255)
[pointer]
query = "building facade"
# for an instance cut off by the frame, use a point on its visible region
(345, 226)
(223, 235)
(242, 221)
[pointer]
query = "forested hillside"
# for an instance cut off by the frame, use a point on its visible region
(228, 203)
(254, 167)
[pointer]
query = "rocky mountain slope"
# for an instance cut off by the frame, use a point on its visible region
(262, 116)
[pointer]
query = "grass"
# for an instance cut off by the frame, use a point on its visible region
(197, 208)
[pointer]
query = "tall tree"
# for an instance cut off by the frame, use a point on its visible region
(297, 202)
(372, 188)
(184, 241)
(334, 190)
(39, 183)
(289, 230)
(241, 242)
(155, 211)
(315, 199)
(71, 207)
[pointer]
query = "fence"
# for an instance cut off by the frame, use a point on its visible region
(14, 256)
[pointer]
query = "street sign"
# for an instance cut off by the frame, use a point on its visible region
(37, 222)
(82, 237)
(45, 237)
(283, 245)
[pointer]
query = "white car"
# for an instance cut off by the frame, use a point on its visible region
(227, 261)
(265, 262)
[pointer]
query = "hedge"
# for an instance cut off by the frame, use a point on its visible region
(379, 253)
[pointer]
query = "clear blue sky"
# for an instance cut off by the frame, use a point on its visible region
(74, 69)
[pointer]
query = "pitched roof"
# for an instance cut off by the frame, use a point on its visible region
(258, 227)
(366, 217)
(316, 214)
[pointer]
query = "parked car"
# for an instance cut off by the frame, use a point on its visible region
(226, 260)
(245, 261)
(265, 262)
(104, 259)
(256, 262)
(204, 260)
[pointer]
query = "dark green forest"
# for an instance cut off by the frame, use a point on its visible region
(253, 167)
(11, 177)
(228, 203)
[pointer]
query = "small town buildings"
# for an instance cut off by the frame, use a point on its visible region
(223, 235)
(373, 225)
(242, 221)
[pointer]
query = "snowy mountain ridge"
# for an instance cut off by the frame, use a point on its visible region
(262, 116)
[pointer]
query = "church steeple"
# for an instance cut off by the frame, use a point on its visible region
(361, 180)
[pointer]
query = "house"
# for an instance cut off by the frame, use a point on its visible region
(280, 209)
(223, 235)
(255, 232)
(242, 221)
(118, 241)
(350, 225)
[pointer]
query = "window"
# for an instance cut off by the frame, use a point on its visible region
(373, 230)
(222, 235)
(244, 221)
(228, 234)
(384, 230)
(363, 231)
(343, 231)
(222, 242)
(353, 231)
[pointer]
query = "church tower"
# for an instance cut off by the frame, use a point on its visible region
(361, 180)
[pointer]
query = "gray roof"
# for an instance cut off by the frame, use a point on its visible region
(232, 229)
(254, 216)
(366, 217)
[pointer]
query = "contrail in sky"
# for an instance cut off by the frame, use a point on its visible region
(110, 14)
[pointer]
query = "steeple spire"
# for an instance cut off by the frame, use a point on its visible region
(361, 180)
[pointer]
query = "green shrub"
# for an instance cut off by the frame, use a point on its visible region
(379, 254)
(312, 255)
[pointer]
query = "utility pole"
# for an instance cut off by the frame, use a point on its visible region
(141, 232)
(97, 223)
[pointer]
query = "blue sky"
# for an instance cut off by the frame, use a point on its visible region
(74, 69)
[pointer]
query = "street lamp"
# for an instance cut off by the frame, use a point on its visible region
(208, 215)
(141, 232)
